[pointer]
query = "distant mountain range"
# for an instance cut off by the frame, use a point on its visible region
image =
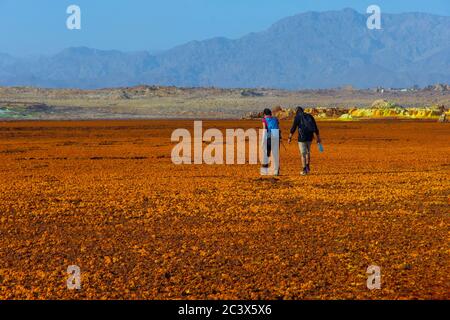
(308, 50)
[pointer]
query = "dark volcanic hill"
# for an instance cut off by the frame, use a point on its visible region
(309, 50)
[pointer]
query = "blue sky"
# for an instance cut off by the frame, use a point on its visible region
(39, 26)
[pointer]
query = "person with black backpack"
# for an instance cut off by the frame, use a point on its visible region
(307, 127)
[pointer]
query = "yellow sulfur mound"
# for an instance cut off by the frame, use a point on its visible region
(379, 109)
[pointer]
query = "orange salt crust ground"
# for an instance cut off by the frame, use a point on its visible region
(104, 195)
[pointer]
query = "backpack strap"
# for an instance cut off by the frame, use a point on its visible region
(265, 122)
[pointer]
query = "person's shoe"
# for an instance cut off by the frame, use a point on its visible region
(304, 172)
(276, 173)
(264, 171)
(308, 170)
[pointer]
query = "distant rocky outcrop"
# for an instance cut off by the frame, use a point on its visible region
(438, 87)
(251, 93)
(120, 95)
(40, 107)
(378, 110)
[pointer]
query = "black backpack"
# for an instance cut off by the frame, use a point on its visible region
(307, 125)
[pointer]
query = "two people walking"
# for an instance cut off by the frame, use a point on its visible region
(306, 126)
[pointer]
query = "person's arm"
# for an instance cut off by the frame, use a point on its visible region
(293, 128)
(279, 130)
(264, 122)
(319, 140)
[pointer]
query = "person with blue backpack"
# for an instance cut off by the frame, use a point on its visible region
(307, 127)
(271, 140)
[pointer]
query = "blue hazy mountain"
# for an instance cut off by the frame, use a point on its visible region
(308, 50)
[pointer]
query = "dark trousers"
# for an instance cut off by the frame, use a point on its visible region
(269, 150)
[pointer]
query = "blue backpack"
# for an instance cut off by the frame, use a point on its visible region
(271, 123)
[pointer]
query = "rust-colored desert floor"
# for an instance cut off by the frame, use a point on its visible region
(105, 196)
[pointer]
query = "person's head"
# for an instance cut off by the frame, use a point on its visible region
(300, 110)
(267, 112)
